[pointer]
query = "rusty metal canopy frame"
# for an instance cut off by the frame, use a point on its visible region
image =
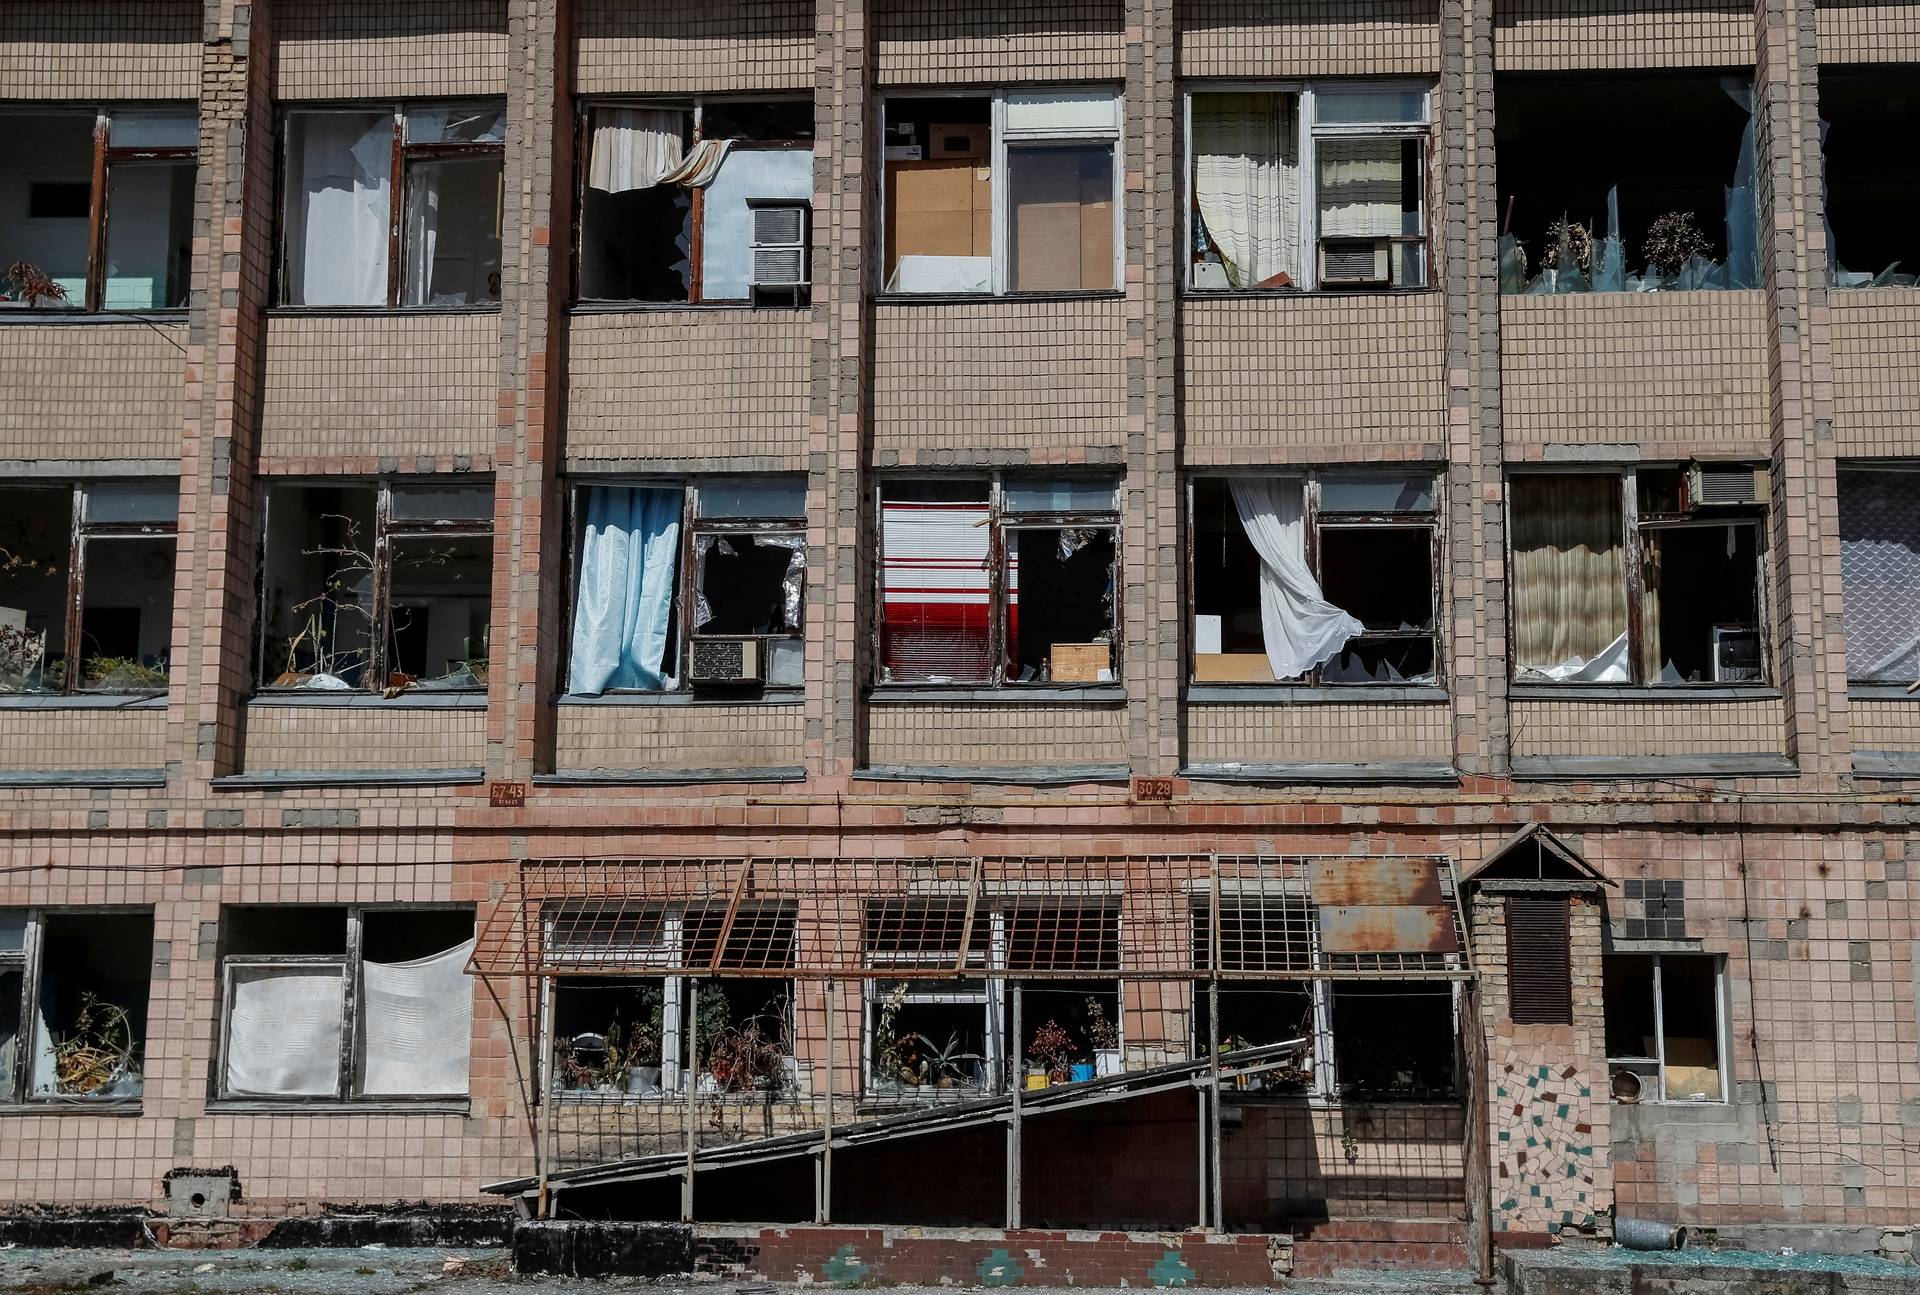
(1122, 917)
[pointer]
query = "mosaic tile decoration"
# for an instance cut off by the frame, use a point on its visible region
(1543, 1147)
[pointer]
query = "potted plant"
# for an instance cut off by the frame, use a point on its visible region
(643, 1042)
(1104, 1035)
(1051, 1049)
(97, 1057)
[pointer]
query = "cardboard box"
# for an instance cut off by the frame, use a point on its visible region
(938, 208)
(1062, 221)
(1231, 667)
(1080, 662)
(953, 141)
(1206, 635)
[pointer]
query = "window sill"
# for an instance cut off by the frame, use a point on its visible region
(1386, 773)
(1318, 694)
(279, 779)
(584, 308)
(46, 315)
(1295, 294)
(1010, 775)
(906, 694)
(668, 777)
(83, 701)
(123, 1110)
(366, 312)
(110, 778)
(245, 1106)
(975, 298)
(423, 699)
(1519, 691)
(744, 697)
(1644, 768)
(1882, 692)
(1893, 766)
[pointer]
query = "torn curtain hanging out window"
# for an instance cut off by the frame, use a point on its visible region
(1569, 583)
(639, 148)
(624, 598)
(1246, 178)
(338, 208)
(1300, 628)
(417, 1025)
(1880, 572)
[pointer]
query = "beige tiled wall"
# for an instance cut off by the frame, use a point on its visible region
(36, 740)
(1246, 38)
(105, 49)
(628, 48)
(1662, 727)
(1869, 33)
(380, 384)
(1886, 725)
(1876, 370)
(1320, 372)
(1330, 733)
(989, 733)
(1037, 377)
(931, 42)
(1547, 35)
(362, 49)
(689, 384)
(341, 737)
(1676, 372)
(92, 390)
(679, 737)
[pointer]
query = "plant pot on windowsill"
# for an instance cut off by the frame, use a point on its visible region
(1080, 1072)
(1106, 1062)
(643, 1080)
(1036, 1079)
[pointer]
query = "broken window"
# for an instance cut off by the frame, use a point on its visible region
(1394, 1040)
(1666, 1033)
(1327, 578)
(999, 581)
(73, 1005)
(1004, 193)
(1652, 576)
(944, 1031)
(88, 564)
(1657, 193)
(97, 206)
(1870, 187)
(377, 585)
(345, 1003)
(1880, 573)
(352, 236)
(697, 200)
(1323, 186)
(724, 557)
(643, 1035)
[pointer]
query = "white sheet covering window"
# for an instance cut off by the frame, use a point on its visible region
(1360, 188)
(339, 173)
(634, 148)
(1299, 627)
(1246, 178)
(416, 1026)
(283, 1032)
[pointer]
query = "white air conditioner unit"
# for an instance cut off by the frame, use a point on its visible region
(1724, 485)
(726, 662)
(779, 247)
(1356, 262)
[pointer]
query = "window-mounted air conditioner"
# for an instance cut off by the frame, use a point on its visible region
(726, 662)
(1356, 262)
(778, 249)
(1724, 485)
(1736, 654)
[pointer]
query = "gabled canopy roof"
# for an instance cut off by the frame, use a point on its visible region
(1534, 854)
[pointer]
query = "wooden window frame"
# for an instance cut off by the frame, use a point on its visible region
(404, 152)
(27, 960)
(1000, 521)
(385, 529)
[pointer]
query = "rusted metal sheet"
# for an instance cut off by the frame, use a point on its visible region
(1362, 881)
(1388, 928)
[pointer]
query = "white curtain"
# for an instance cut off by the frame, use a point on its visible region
(623, 599)
(1360, 181)
(418, 1028)
(423, 231)
(634, 148)
(1246, 178)
(283, 1032)
(1301, 629)
(339, 208)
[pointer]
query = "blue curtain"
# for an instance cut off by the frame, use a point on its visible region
(624, 596)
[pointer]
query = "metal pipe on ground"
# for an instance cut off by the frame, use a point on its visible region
(1645, 1234)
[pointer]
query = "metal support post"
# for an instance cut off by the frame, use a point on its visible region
(1019, 1078)
(1213, 1105)
(823, 1176)
(690, 1073)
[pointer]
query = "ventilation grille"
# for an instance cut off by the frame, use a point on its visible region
(778, 267)
(776, 225)
(1539, 961)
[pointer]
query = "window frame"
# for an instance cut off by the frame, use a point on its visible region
(84, 530)
(1002, 213)
(352, 964)
(685, 567)
(1431, 519)
(19, 1096)
(105, 155)
(1634, 528)
(385, 529)
(404, 153)
(1000, 521)
(1310, 131)
(695, 105)
(1858, 469)
(1722, 1003)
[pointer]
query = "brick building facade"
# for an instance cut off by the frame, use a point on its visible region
(1731, 848)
